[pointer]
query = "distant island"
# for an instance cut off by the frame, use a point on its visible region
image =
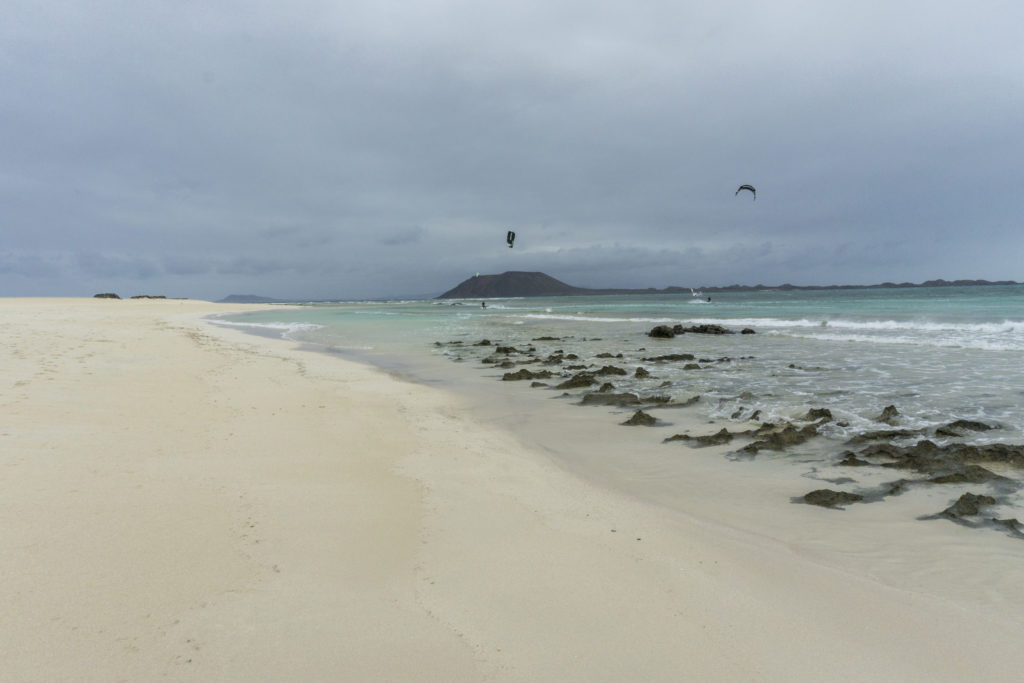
(520, 284)
(248, 299)
(516, 283)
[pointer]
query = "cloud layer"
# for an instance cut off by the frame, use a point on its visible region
(365, 149)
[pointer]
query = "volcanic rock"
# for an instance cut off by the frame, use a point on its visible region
(580, 379)
(640, 418)
(706, 329)
(816, 414)
(885, 435)
(789, 435)
(671, 356)
(889, 415)
(831, 499)
(661, 332)
(525, 374)
(852, 460)
(971, 474)
(720, 437)
(956, 428)
(967, 505)
(610, 399)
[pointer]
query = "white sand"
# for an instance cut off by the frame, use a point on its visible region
(185, 502)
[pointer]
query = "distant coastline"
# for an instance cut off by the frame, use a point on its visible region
(525, 284)
(518, 284)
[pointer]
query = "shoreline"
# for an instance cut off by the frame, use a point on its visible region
(192, 501)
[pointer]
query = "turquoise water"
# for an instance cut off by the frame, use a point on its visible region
(937, 354)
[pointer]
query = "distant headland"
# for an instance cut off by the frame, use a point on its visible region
(516, 283)
(521, 284)
(248, 299)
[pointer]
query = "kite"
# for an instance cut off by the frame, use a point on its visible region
(747, 187)
(510, 238)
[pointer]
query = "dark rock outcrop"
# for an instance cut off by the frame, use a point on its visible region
(789, 435)
(106, 295)
(928, 458)
(577, 381)
(610, 399)
(889, 415)
(958, 427)
(818, 414)
(971, 474)
(525, 374)
(831, 499)
(851, 460)
(661, 332)
(641, 419)
(703, 329)
(670, 357)
(722, 436)
(885, 435)
(968, 505)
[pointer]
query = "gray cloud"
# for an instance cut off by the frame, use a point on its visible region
(402, 236)
(209, 149)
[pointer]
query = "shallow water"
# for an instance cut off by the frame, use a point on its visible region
(937, 355)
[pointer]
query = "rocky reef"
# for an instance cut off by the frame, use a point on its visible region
(938, 456)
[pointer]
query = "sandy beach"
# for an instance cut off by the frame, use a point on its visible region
(181, 501)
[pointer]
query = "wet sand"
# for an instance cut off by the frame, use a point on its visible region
(184, 501)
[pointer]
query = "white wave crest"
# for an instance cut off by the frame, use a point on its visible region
(597, 319)
(286, 329)
(1002, 327)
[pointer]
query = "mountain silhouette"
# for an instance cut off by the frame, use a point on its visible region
(511, 284)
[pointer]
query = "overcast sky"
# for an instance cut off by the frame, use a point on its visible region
(373, 148)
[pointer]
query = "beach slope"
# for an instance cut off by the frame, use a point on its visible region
(183, 501)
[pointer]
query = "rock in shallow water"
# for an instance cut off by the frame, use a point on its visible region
(640, 418)
(610, 399)
(831, 499)
(661, 332)
(889, 415)
(525, 374)
(579, 380)
(720, 437)
(968, 504)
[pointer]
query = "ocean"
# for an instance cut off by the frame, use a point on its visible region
(947, 360)
(936, 354)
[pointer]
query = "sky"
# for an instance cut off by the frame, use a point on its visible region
(376, 148)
